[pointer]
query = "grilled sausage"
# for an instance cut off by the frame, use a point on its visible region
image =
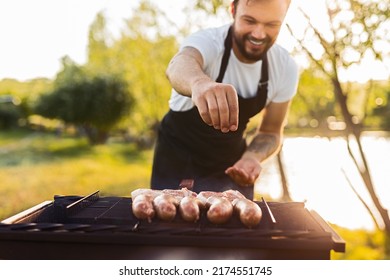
(248, 211)
(142, 207)
(165, 206)
(220, 210)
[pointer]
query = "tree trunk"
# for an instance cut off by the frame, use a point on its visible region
(285, 191)
(364, 171)
(95, 136)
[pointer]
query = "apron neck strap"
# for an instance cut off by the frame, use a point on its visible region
(263, 83)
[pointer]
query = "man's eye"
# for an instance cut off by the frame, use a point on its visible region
(273, 25)
(249, 21)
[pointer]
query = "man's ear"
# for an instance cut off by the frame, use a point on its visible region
(232, 8)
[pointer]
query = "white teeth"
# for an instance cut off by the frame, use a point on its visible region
(257, 43)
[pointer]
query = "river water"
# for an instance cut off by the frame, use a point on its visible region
(320, 172)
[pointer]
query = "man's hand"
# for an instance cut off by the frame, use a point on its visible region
(245, 171)
(217, 104)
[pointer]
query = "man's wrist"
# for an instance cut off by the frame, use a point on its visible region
(250, 155)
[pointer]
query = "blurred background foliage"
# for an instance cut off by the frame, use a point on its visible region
(139, 57)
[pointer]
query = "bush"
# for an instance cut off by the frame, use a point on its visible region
(95, 104)
(9, 112)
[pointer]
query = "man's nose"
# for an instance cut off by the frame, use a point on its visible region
(259, 32)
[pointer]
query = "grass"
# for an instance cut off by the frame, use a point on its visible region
(35, 166)
(363, 245)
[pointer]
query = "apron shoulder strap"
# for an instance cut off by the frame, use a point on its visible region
(263, 83)
(226, 55)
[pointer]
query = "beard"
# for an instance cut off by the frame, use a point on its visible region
(254, 54)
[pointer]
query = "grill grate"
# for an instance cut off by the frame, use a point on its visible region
(96, 227)
(97, 214)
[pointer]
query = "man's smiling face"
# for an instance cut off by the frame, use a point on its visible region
(256, 26)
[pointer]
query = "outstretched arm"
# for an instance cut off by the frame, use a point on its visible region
(217, 103)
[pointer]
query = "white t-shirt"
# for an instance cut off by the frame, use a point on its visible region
(282, 69)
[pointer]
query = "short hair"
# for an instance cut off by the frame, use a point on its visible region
(235, 3)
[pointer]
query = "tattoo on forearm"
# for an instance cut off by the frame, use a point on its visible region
(263, 143)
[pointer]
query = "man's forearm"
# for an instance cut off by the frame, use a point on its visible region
(185, 70)
(263, 145)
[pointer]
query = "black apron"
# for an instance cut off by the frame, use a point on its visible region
(188, 148)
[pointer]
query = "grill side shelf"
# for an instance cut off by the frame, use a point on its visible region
(28, 215)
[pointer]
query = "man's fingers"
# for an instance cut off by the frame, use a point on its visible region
(204, 111)
(232, 100)
(239, 176)
(218, 106)
(227, 102)
(223, 110)
(213, 110)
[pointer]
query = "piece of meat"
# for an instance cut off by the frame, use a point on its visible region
(165, 206)
(249, 212)
(220, 209)
(149, 192)
(179, 194)
(142, 206)
(203, 196)
(232, 195)
(187, 183)
(189, 208)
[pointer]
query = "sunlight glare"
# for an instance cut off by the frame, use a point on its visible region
(322, 177)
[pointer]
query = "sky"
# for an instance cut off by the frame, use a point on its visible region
(34, 35)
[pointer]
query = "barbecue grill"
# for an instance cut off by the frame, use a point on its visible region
(103, 227)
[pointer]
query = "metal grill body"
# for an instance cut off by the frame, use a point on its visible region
(105, 228)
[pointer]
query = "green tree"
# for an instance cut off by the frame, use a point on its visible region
(24, 94)
(9, 111)
(356, 29)
(211, 7)
(383, 111)
(94, 103)
(99, 39)
(141, 56)
(314, 102)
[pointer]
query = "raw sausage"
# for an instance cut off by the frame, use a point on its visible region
(165, 206)
(203, 196)
(220, 209)
(248, 211)
(232, 195)
(179, 194)
(149, 192)
(220, 206)
(142, 207)
(189, 209)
